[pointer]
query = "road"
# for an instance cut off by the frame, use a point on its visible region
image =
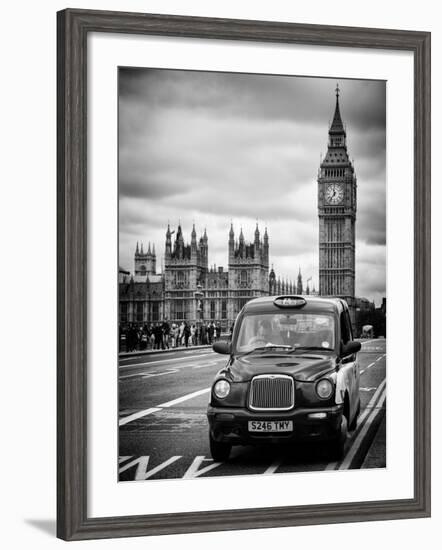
(163, 429)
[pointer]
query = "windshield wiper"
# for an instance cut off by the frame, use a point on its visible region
(268, 347)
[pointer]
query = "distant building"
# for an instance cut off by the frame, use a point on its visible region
(191, 290)
(337, 217)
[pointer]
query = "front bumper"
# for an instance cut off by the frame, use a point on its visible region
(230, 425)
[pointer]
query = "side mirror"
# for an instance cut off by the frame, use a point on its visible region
(222, 347)
(350, 348)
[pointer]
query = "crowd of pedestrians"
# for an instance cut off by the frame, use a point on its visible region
(167, 335)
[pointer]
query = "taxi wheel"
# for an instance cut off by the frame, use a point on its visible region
(220, 451)
(337, 448)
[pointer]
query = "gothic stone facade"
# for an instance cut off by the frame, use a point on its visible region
(190, 290)
(337, 217)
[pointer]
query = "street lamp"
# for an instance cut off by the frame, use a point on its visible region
(199, 295)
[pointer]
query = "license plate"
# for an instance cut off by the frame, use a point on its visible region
(270, 426)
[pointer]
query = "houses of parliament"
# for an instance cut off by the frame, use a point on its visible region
(191, 290)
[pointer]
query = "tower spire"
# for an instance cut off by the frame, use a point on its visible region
(337, 126)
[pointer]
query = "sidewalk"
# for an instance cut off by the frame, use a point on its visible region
(160, 351)
(375, 457)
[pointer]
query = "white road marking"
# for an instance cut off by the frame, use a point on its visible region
(367, 410)
(204, 365)
(131, 375)
(146, 412)
(123, 458)
(357, 442)
(374, 362)
(368, 389)
(273, 467)
(184, 398)
(137, 415)
(368, 367)
(152, 374)
(164, 361)
(194, 471)
(143, 461)
(146, 374)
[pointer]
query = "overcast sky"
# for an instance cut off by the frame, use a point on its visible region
(212, 148)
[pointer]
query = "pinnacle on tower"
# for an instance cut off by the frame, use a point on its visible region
(148, 249)
(137, 251)
(141, 251)
(336, 126)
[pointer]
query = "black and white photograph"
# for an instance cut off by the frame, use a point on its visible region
(252, 274)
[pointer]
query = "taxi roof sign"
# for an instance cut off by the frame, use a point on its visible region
(289, 301)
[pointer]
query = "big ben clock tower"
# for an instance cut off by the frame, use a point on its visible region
(337, 217)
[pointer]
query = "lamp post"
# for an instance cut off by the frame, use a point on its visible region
(199, 295)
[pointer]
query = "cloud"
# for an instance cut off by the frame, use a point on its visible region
(208, 148)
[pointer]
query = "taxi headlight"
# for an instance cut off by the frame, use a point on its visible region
(221, 389)
(324, 388)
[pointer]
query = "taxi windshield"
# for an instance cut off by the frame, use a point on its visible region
(286, 331)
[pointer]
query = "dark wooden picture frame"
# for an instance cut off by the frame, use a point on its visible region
(73, 29)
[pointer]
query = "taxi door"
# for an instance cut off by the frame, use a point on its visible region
(348, 375)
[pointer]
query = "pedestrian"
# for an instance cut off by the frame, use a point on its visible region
(186, 332)
(193, 335)
(210, 332)
(151, 336)
(166, 331)
(144, 337)
(158, 336)
(218, 330)
(181, 333)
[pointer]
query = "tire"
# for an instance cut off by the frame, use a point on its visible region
(354, 422)
(337, 445)
(220, 451)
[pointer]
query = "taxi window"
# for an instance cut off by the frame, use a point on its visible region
(294, 329)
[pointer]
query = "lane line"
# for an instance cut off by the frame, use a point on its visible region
(369, 407)
(151, 410)
(184, 398)
(137, 415)
(368, 367)
(163, 361)
(205, 365)
(273, 467)
(147, 374)
(358, 441)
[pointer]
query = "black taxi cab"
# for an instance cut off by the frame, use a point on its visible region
(292, 375)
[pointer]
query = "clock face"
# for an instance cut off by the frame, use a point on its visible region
(334, 193)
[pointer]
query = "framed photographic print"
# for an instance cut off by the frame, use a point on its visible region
(238, 202)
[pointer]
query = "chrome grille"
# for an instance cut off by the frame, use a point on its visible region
(272, 392)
